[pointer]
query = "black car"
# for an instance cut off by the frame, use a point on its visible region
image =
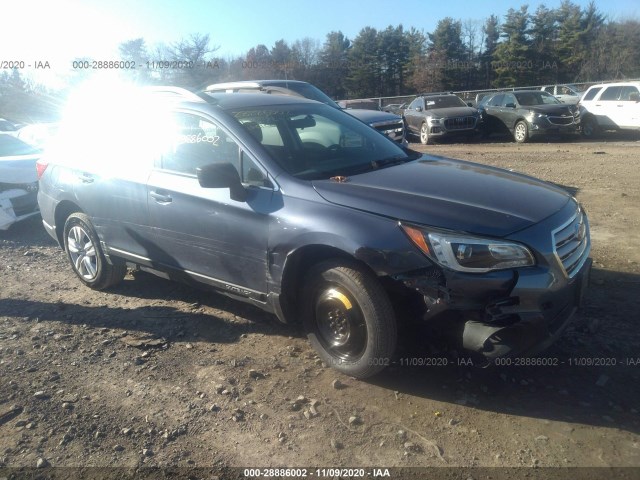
(306, 212)
(528, 113)
(441, 115)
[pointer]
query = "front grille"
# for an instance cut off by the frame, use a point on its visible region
(561, 120)
(393, 129)
(460, 123)
(571, 243)
(389, 127)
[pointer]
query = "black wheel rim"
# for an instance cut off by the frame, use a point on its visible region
(340, 325)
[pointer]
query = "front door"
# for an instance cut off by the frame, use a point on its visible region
(202, 231)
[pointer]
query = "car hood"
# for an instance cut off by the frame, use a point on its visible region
(550, 109)
(451, 112)
(372, 116)
(18, 169)
(449, 194)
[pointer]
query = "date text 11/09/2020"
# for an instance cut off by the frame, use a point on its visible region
(514, 362)
(316, 472)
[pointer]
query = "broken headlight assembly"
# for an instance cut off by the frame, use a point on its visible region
(468, 253)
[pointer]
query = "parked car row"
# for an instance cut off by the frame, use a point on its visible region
(526, 114)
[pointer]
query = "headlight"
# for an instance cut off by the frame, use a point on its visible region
(434, 121)
(537, 115)
(467, 253)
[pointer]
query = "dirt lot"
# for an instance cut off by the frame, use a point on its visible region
(154, 373)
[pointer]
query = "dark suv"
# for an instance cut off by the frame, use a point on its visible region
(441, 115)
(304, 211)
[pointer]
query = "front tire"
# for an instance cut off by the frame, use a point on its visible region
(590, 127)
(424, 135)
(521, 132)
(86, 256)
(348, 318)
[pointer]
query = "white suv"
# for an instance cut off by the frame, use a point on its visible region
(611, 106)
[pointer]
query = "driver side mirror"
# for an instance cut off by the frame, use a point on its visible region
(510, 105)
(418, 109)
(222, 175)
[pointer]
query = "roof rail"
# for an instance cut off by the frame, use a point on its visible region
(426, 94)
(177, 93)
(232, 86)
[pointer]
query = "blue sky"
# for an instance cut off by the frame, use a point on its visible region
(60, 30)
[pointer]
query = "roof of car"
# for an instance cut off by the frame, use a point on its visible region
(616, 84)
(251, 84)
(229, 101)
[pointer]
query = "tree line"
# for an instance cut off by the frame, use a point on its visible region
(568, 44)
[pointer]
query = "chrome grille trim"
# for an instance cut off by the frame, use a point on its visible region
(572, 243)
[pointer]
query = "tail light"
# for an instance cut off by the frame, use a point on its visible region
(41, 166)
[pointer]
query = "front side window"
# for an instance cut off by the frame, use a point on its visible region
(312, 141)
(496, 101)
(415, 104)
(509, 99)
(196, 141)
(611, 93)
(629, 93)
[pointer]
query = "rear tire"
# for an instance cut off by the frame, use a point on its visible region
(86, 256)
(348, 318)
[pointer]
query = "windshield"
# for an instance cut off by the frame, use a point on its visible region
(536, 98)
(431, 103)
(12, 146)
(314, 141)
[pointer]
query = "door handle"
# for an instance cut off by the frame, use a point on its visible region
(161, 198)
(86, 178)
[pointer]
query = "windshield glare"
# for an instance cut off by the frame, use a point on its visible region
(313, 141)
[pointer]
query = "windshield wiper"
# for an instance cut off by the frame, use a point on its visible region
(389, 161)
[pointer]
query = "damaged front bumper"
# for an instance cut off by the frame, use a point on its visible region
(17, 204)
(512, 312)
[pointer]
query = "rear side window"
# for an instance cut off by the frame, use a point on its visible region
(590, 95)
(611, 93)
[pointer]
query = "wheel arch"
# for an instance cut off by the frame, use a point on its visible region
(298, 263)
(63, 210)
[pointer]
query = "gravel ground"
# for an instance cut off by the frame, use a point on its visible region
(157, 374)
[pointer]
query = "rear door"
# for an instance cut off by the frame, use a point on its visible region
(109, 182)
(202, 231)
